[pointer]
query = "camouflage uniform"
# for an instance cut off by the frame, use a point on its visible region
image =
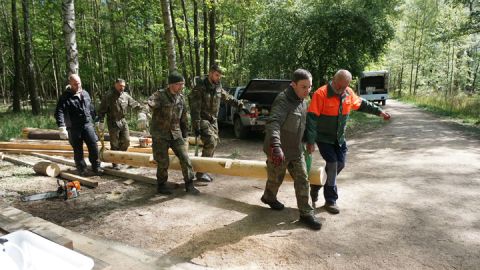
(287, 124)
(114, 104)
(169, 128)
(204, 105)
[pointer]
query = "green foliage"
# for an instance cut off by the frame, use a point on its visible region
(321, 36)
(13, 123)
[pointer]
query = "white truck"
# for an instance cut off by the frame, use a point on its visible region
(373, 86)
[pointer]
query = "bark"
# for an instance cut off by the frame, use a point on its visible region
(167, 24)
(69, 32)
(189, 42)
(16, 59)
(213, 42)
(205, 37)
(180, 43)
(196, 42)
(413, 57)
(31, 76)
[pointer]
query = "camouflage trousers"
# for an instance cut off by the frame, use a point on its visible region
(160, 154)
(119, 138)
(209, 136)
(298, 170)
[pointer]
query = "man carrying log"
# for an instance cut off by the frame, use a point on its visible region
(283, 146)
(74, 115)
(204, 105)
(169, 129)
(115, 104)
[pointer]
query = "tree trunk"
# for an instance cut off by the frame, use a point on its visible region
(68, 10)
(179, 42)
(189, 42)
(31, 76)
(205, 37)
(413, 57)
(419, 53)
(16, 59)
(213, 42)
(167, 24)
(54, 60)
(196, 42)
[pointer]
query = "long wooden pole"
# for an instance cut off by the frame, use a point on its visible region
(232, 167)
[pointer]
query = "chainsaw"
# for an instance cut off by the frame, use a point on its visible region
(67, 190)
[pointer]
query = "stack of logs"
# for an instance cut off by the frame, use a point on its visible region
(48, 142)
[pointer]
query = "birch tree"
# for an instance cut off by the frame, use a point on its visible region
(68, 11)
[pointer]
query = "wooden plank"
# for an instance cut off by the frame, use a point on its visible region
(17, 161)
(83, 180)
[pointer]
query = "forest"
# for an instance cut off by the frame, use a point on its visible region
(430, 47)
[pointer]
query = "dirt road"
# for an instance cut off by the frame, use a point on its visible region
(409, 198)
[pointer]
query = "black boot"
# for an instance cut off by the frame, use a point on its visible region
(164, 189)
(311, 221)
(191, 189)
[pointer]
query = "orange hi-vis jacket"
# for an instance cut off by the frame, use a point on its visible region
(328, 114)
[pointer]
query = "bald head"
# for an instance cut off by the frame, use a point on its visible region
(341, 80)
(343, 74)
(75, 82)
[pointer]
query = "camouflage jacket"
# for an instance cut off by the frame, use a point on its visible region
(169, 115)
(205, 101)
(115, 104)
(286, 124)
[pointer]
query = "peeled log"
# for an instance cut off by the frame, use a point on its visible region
(83, 180)
(46, 168)
(52, 134)
(232, 167)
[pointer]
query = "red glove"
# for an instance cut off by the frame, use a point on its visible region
(276, 154)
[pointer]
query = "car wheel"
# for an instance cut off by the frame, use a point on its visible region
(241, 132)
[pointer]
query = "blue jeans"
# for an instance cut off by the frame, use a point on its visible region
(335, 156)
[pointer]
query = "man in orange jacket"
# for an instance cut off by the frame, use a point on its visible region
(326, 123)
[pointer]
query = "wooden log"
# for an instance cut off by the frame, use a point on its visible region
(64, 153)
(46, 168)
(191, 140)
(83, 180)
(53, 134)
(61, 149)
(17, 161)
(232, 167)
(139, 178)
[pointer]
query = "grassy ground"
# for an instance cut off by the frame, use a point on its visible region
(463, 107)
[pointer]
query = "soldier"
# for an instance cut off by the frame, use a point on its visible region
(74, 115)
(204, 105)
(114, 104)
(326, 123)
(283, 146)
(169, 129)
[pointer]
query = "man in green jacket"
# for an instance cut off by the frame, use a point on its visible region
(204, 105)
(284, 148)
(114, 104)
(169, 129)
(327, 118)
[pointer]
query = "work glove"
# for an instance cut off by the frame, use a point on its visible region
(276, 155)
(63, 133)
(100, 126)
(142, 121)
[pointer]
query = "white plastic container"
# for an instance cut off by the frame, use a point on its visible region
(25, 250)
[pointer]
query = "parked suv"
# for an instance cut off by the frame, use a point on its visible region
(258, 97)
